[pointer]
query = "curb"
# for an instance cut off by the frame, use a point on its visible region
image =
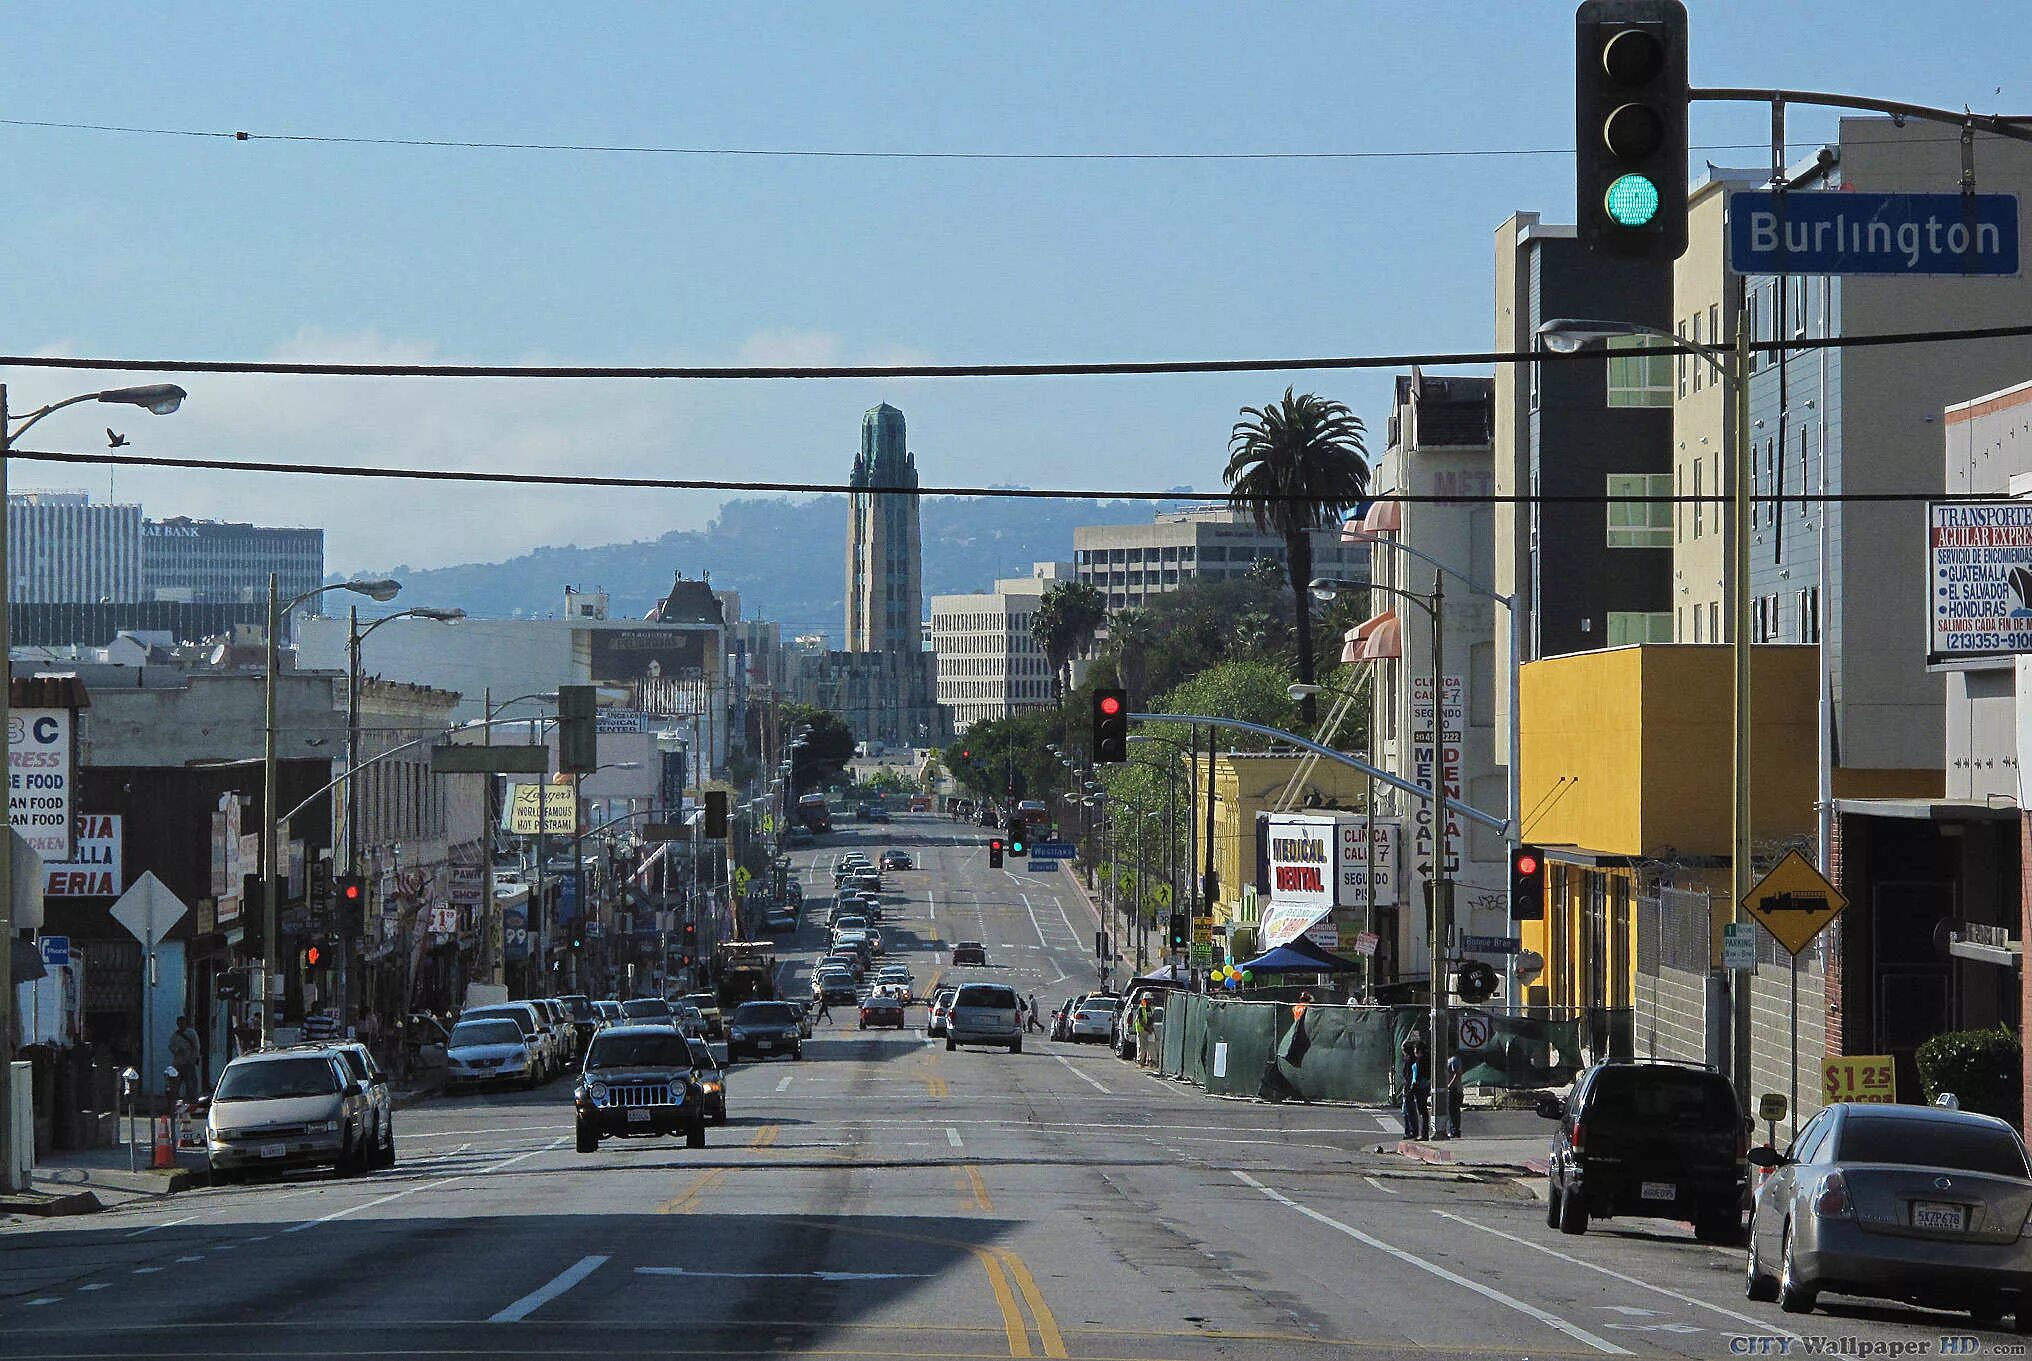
(1429, 1153)
(53, 1206)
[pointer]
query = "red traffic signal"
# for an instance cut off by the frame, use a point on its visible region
(1527, 863)
(350, 889)
(1111, 725)
(995, 853)
(1109, 705)
(1527, 884)
(312, 956)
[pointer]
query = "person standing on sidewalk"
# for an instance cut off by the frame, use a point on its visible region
(1414, 1075)
(1455, 1071)
(186, 1055)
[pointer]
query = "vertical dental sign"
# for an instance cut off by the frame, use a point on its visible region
(42, 779)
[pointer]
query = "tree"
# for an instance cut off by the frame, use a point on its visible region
(826, 750)
(1068, 616)
(1296, 466)
(1131, 639)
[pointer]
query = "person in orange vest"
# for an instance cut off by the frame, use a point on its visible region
(1298, 1007)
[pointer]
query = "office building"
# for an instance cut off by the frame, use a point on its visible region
(226, 562)
(988, 664)
(1130, 564)
(62, 547)
(884, 591)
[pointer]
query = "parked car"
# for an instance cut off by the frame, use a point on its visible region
(765, 1030)
(638, 1082)
(969, 952)
(610, 1013)
(896, 860)
(938, 1009)
(286, 1108)
(584, 1019)
(490, 1050)
(1650, 1138)
(360, 1065)
(712, 1080)
(1094, 1019)
(1123, 1039)
(985, 1013)
(708, 1004)
(544, 1058)
(1914, 1203)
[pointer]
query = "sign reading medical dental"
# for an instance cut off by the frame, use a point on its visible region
(1979, 578)
(41, 775)
(93, 871)
(1301, 860)
(1446, 754)
(1849, 232)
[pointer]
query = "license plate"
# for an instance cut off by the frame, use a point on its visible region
(1658, 1190)
(1931, 1214)
(274, 1150)
(765, 1044)
(638, 1117)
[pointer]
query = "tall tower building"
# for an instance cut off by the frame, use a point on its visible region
(885, 593)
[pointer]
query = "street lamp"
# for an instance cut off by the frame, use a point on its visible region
(355, 636)
(1568, 335)
(161, 399)
(374, 588)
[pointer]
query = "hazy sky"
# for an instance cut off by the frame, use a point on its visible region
(177, 247)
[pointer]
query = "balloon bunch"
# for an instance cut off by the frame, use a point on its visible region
(1230, 977)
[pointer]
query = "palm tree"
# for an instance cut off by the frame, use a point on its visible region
(1130, 636)
(1067, 618)
(1296, 466)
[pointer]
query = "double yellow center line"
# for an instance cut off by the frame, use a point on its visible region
(687, 1199)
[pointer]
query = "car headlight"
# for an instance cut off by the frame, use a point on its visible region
(737, 1034)
(219, 1135)
(328, 1127)
(597, 1091)
(711, 1086)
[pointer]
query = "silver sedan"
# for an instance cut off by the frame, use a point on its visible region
(1912, 1203)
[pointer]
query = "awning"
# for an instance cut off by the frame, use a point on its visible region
(1383, 517)
(1300, 956)
(1355, 641)
(1386, 640)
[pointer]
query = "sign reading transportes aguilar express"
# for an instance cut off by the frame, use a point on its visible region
(1979, 576)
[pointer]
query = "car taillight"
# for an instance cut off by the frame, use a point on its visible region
(1831, 1198)
(1579, 1135)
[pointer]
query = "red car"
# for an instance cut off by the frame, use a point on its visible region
(882, 1008)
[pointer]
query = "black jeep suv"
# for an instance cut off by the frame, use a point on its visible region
(639, 1081)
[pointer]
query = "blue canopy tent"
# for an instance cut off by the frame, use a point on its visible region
(1300, 955)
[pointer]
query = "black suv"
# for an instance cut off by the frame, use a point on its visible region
(639, 1081)
(764, 1030)
(1663, 1139)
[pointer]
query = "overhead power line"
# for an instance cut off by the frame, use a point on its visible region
(599, 481)
(1060, 369)
(821, 153)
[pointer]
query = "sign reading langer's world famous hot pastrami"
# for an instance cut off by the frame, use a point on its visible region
(1979, 578)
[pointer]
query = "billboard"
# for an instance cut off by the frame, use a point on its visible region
(1301, 859)
(42, 779)
(1979, 576)
(647, 653)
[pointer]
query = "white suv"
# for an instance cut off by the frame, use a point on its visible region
(985, 1013)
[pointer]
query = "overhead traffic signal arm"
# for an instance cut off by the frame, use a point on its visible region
(1630, 102)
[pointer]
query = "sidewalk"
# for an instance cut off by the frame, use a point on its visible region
(99, 1173)
(1518, 1154)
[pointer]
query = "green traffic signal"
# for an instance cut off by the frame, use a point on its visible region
(1632, 201)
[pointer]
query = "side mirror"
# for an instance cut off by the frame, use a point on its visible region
(1549, 1107)
(1766, 1157)
(354, 1088)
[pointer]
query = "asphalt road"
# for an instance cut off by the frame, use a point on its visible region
(885, 1198)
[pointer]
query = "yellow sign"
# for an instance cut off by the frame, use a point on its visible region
(1771, 1107)
(1794, 903)
(1859, 1077)
(1202, 933)
(741, 878)
(549, 803)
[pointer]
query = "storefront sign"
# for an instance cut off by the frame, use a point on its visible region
(1445, 755)
(228, 873)
(1859, 1077)
(620, 721)
(1367, 871)
(1979, 569)
(1301, 856)
(93, 871)
(1285, 922)
(540, 809)
(41, 775)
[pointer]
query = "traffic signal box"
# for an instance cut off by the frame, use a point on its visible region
(995, 853)
(1111, 726)
(349, 898)
(716, 814)
(1527, 884)
(1019, 839)
(578, 744)
(1180, 935)
(1630, 98)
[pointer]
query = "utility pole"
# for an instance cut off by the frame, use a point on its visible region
(1440, 887)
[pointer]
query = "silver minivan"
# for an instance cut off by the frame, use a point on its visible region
(985, 1013)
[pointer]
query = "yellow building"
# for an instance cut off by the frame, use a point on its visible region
(1626, 785)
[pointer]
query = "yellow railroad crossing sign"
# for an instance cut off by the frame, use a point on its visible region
(1794, 903)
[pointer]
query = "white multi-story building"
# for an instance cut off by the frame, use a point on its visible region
(1129, 564)
(62, 548)
(225, 562)
(988, 664)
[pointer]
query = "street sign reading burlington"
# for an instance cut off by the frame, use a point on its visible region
(1845, 232)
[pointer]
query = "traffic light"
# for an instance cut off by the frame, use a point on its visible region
(1527, 884)
(349, 893)
(1180, 934)
(995, 853)
(1111, 725)
(716, 814)
(578, 746)
(313, 955)
(1475, 981)
(690, 936)
(1630, 98)
(1019, 839)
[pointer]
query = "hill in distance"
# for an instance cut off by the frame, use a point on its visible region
(785, 555)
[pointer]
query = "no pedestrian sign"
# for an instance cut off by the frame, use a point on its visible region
(1979, 578)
